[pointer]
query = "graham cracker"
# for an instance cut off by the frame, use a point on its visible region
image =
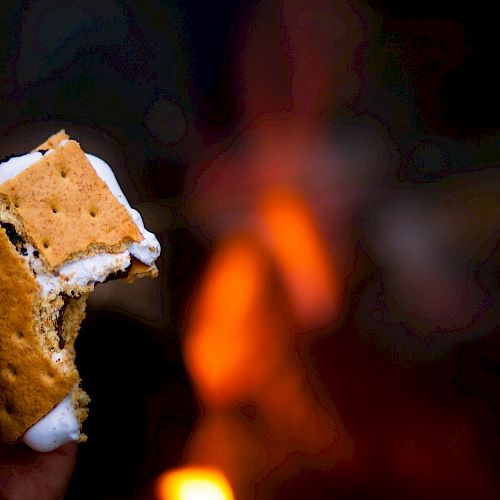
(30, 384)
(53, 141)
(66, 208)
(140, 270)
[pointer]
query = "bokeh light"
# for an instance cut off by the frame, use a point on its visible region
(192, 483)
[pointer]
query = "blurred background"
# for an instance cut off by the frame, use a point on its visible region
(324, 179)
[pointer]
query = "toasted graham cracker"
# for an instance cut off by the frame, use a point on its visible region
(67, 210)
(53, 141)
(139, 270)
(30, 384)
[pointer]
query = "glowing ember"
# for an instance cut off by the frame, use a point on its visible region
(191, 483)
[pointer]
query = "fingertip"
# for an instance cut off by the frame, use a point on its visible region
(65, 454)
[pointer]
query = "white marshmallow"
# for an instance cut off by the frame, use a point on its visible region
(57, 428)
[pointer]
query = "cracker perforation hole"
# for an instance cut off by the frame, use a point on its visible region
(45, 244)
(54, 209)
(64, 173)
(47, 378)
(20, 335)
(92, 212)
(9, 409)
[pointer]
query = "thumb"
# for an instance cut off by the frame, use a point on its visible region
(25, 473)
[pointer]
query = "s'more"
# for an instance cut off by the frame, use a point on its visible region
(65, 225)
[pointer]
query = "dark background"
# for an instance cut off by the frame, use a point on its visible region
(146, 86)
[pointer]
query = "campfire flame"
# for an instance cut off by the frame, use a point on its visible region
(261, 290)
(301, 256)
(194, 483)
(264, 201)
(224, 354)
(272, 276)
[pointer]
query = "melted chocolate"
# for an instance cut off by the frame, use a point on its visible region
(60, 320)
(11, 232)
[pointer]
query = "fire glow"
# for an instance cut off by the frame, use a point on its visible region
(272, 277)
(194, 483)
(280, 221)
(261, 289)
(222, 350)
(300, 255)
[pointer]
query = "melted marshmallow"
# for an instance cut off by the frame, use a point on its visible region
(79, 273)
(57, 428)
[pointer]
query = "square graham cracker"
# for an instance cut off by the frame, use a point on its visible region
(67, 209)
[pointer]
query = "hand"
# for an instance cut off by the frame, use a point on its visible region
(25, 473)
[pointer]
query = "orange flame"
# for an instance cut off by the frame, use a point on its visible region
(194, 483)
(301, 256)
(223, 353)
(239, 346)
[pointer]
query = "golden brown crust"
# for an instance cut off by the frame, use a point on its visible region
(67, 209)
(140, 270)
(53, 141)
(30, 384)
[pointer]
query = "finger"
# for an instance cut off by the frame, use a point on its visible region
(25, 473)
